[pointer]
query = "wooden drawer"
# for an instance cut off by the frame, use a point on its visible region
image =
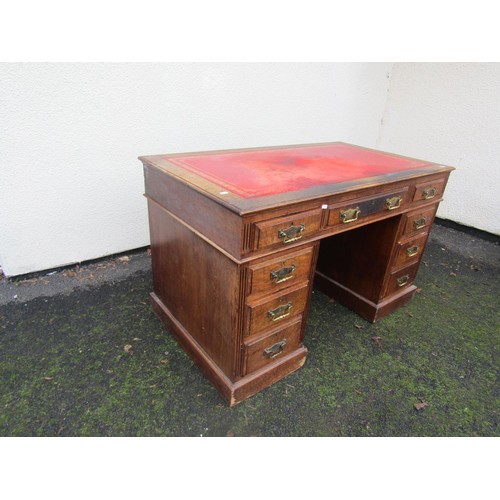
(268, 312)
(429, 190)
(410, 251)
(420, 220)
(264, 350)
(401, 279)
(280, 272)
(353, 212)
(285, 230)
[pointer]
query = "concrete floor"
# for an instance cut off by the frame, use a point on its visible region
(82, 354)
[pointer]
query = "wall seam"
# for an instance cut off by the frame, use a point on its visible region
(386, 106)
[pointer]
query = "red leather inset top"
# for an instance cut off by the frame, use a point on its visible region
(253, 174)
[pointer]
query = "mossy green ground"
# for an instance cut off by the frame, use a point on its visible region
(67, 368)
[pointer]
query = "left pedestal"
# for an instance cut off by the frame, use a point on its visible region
(199, 294)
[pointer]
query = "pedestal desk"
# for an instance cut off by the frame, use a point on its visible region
(238, 237)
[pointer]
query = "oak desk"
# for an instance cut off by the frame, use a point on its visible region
(238, 237)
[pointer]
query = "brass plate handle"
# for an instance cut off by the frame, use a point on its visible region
(280, 312)
(293, 233)
(420, 223)
(349, 215)
(403, 280)
(283, 274)
(276, 349)
(412, 251)
(393, 203)
(427, 194)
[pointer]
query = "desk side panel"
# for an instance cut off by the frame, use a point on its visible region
(198, 285)
(214, 221)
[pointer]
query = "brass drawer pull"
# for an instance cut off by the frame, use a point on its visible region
(350, 215)
(283, 274)
(393, 203)
(276, 349)
(412, 251)
(420, 223)
(280, 312)
(403, 280)
(293, 233)
(427, 194)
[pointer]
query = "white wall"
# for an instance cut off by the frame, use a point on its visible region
(450, 113)
(71, 186)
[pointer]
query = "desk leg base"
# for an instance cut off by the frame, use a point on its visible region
(369, 310)
(232, 391)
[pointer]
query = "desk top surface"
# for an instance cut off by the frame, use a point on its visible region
(251, 179)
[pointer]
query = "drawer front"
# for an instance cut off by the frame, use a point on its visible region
(429, 190)
(270, 312)
(285, 230)
(355, 211)
(273, 346)
(279, 273)
(420, 220)
(401, 279)
(410, 251)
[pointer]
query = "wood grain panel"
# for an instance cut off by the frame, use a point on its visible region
(198, 285)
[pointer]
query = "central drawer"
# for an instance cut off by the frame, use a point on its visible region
(356, 211)
(271, 311)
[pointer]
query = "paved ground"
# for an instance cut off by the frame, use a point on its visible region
(81, 353)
